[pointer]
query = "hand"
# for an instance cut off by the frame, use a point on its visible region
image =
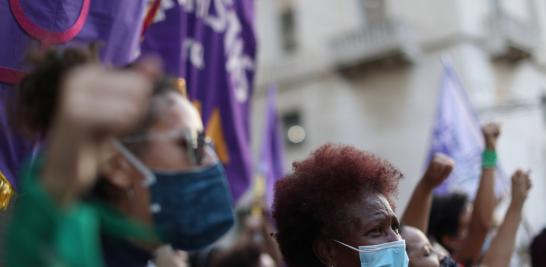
(98, 103)
(438, 170)
(491, 133)
(95, 105)
(521, 184)
(167, 257)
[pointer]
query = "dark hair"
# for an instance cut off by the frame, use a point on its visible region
(538, 250)
(311, 201)
(38, 92)
(445, 215)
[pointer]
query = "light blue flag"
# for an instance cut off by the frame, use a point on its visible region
(457, 133)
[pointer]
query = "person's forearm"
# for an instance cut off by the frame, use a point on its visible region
(482, 217)
(66, 159)
(502, 246)
(418, 210)
(484, 204)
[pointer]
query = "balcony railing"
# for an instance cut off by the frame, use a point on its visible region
(380, 39)
(508, 34)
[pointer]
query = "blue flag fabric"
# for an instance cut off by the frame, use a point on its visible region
(272, 152)
(211, 45)
(457, 133)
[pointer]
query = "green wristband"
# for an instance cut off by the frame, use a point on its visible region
(489, 159)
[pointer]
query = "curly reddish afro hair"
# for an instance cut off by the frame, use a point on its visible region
(311, 202)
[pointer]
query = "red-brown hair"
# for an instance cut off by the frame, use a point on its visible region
(311, 201)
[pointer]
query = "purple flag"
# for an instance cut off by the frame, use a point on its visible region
(116, 24)
(457, 133)
(211, 45)
(271, 160)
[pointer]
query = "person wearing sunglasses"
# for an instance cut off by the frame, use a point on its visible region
(125, 168)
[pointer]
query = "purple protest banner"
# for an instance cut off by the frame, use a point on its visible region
(457, 133)
(211, 45)
(272, 153)
(115, 24)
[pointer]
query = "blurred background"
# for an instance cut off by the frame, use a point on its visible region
(401, 79)
(368, 73)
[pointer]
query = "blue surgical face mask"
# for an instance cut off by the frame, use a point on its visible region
(392, 254)
(191, 209)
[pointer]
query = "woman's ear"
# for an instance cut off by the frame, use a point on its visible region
(118, 171)
(324, 251)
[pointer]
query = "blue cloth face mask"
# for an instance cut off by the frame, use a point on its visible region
(392, 254)
(191, 209)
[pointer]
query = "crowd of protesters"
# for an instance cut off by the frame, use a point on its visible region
(126, 176)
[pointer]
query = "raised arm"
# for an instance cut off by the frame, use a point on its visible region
(502, 247)
(484, 203)
(96, 104)
(418, 209)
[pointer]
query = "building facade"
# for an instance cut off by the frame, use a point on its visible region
(368, 72)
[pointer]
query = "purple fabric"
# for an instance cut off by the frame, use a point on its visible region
(14, 148)
(211, 45)
(457, 133)
(271, 159)
(116, 24)
(56, 16)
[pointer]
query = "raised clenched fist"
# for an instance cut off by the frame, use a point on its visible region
(521, 184)
(438, 170)
(96, 105)
(101, 103)
(491, 133)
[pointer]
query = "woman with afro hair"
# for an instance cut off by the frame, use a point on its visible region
(336, 209)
